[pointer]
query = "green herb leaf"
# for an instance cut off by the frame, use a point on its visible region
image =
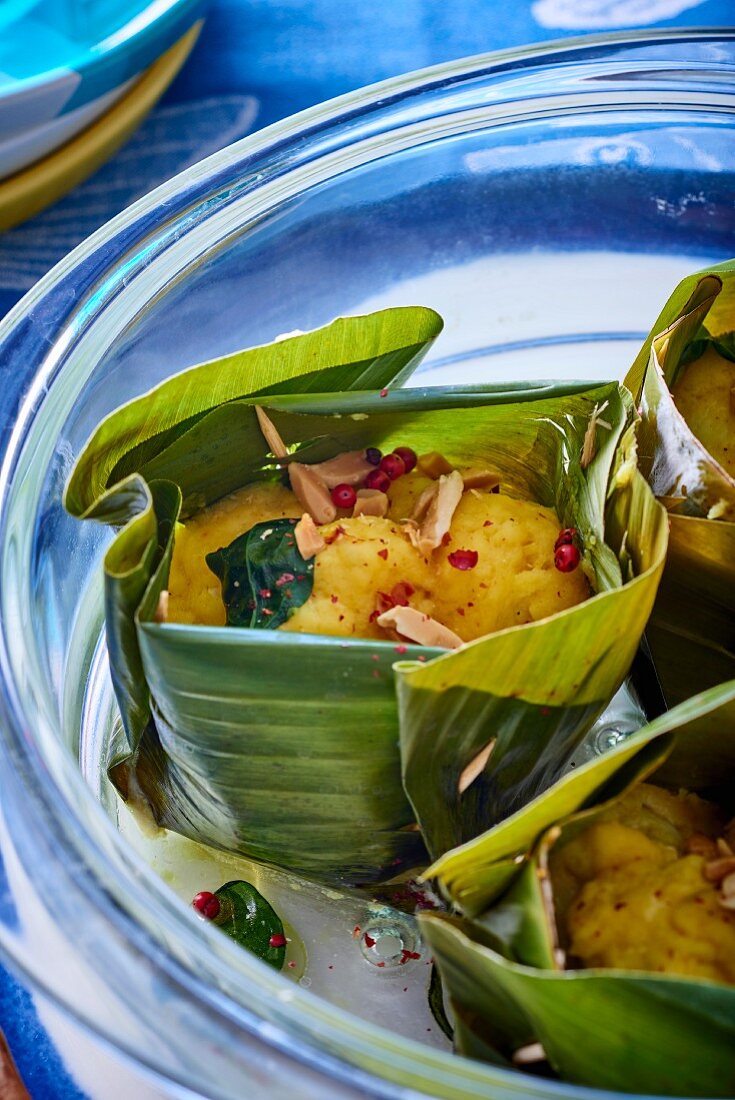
(724, 345)
(252, 922)
(264, 577)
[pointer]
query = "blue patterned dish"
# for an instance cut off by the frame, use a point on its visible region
(64, 62)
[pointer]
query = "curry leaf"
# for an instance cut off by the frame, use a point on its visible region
(264, 577)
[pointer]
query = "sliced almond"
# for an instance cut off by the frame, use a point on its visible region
(727, 886)
(475, 767)
(160, 615)
(419, 628)
(433, 465)
(717, 869)
(700, 845)
(421, 507)
(308, 537)
(477, 478)
(270, 433)
(312, 493)
(348, 468)
(723, 847)
(526, 1056)
(370, 502)
(438, 519)
(727, 902)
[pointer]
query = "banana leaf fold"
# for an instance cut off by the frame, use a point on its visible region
(285, 747)
(692, 629)
(503, 968)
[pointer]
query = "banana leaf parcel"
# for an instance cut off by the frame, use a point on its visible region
(692, 629)
(284, 747)
(503, 966)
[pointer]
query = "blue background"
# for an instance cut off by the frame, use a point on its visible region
(257, 61)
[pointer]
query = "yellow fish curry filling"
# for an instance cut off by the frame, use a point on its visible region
(399, 547)
(705, 396)
(649, 885)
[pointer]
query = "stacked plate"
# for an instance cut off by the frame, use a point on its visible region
(76, 77)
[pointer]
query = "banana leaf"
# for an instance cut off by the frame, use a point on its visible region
(284, 747)
(632, 1031)
(692, 628)
(532, 692)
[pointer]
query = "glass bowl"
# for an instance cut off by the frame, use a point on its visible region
(545, 201)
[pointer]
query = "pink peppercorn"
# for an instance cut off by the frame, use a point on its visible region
(377, 479)
(408, 456)
(566, 557)
(393, 465)
(344, 496)
(567, 536)
(206, 904)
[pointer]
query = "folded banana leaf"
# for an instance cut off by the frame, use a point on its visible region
(284, 747)
(692, 629)
(632, 1031)
(526, 696)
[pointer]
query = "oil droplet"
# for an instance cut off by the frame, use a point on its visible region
(389, 942)
(608, 737)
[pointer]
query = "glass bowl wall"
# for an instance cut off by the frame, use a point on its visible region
(545, 202)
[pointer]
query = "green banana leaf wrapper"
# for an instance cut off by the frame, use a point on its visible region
(692, 629)
(284, 747)
(503, 970)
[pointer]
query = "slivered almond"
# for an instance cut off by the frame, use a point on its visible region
(348, 468)
(723, 847)
(270, 433)
(727, 886)
(160, 615)
(526, 1056)
(728, 902)
(438, 519)
(717, 869)
(477, 478)
(475, 767)
(700, 845)
(419, 628)
(312, 493)
(423, 501)
(308, 538)
(370, 502)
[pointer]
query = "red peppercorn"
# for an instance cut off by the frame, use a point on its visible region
(344, 496)
(277, 940)
(463, 559)
(566, 557)
(567, 536)
(377, 479)
(373, 456)
(409, 457)
(206, 904)
(393, 465)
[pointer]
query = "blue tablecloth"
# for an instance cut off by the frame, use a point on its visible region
(257, 61)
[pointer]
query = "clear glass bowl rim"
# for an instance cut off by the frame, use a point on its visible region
(144, 907)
